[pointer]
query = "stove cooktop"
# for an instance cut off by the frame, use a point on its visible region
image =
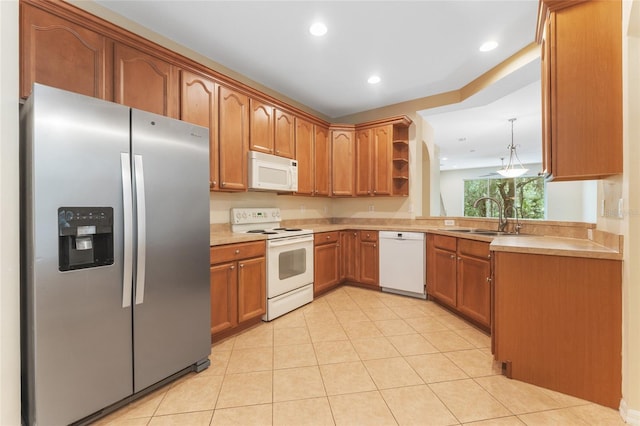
(265, 221)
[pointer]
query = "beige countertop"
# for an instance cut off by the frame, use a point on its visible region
(530, 244)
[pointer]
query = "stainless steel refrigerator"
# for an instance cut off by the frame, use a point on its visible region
(115, 253)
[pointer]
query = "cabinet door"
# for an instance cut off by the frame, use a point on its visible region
(285, 134)
(443, 282)
(474, 288)
(304, 156)
(233, 138)
(363, 162)
(326, 272)
(546, 102)
(350, 255)
(224, 311)
(261, 127)
(369, 263)
(252, 296)
(382, 160)
(198, 106)
(322, 169)
(144, 82)
(585, 65)
(342, 161)
(58, 53)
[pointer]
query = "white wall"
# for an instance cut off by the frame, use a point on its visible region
(566, 201)
(9, 242)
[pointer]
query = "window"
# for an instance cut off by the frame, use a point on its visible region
(526, 194)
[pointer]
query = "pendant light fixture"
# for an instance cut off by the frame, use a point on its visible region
(511, 170)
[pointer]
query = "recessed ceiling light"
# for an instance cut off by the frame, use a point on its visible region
(374, 79)
(318, 29)
(488, 46)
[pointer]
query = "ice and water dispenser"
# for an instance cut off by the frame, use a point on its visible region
(85, 236)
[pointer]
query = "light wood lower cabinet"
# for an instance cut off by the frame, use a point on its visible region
(349, 268)
(368, 255)
(558, 323)
(238, 286)
(326, 258)
(359, 257)
(459, 276)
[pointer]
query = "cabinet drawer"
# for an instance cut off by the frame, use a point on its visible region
(444, 242)
(474, 248)
(369, 236)
(326, 237)
(232, 252)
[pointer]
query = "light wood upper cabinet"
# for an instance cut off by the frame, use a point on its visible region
(582, 88)
(198, 105)
(343, 162)
(322, 160)
(304, 156)
(382, 160)
(284, 134)
(364, 157)
(272, 130)
(62, 54)
(233, 138)
(374, 166)
(262, 127)
(144, 82)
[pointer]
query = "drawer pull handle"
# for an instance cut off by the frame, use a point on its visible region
(237, 251)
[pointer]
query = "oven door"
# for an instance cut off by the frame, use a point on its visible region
(289, 264)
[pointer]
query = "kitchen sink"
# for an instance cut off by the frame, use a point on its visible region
(487, 232)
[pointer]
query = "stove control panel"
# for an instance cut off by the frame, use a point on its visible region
(254, 215)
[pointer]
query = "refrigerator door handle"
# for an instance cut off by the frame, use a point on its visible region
(127, 202)
(142, 229)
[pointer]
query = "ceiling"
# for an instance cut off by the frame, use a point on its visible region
(418, 48)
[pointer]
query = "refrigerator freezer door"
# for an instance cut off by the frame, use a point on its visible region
(171, 325)
(76, 336)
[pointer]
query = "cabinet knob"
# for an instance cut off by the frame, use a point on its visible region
(488, 279)
(459, 258)
(328, 237)
(452, 256)
(354, 234)
(237, 251)
(232, 267)
(242, 265)
(223, 184)
(375, 245)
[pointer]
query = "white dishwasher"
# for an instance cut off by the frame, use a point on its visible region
(403, 263)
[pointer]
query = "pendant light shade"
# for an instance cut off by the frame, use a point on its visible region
(511, 170)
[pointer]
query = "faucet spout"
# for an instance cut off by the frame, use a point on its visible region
(502, 219)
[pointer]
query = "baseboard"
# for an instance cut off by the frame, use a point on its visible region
(630, 416)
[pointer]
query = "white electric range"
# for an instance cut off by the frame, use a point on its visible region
(289, 258)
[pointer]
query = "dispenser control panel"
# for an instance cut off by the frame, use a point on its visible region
(85, 237)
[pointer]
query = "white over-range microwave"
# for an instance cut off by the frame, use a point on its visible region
(272, 173)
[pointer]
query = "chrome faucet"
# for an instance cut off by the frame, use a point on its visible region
(502, 220)
(518, 226)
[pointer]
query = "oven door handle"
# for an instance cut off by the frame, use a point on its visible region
(289, 241)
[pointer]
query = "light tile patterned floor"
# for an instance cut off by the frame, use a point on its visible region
(358, 357)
